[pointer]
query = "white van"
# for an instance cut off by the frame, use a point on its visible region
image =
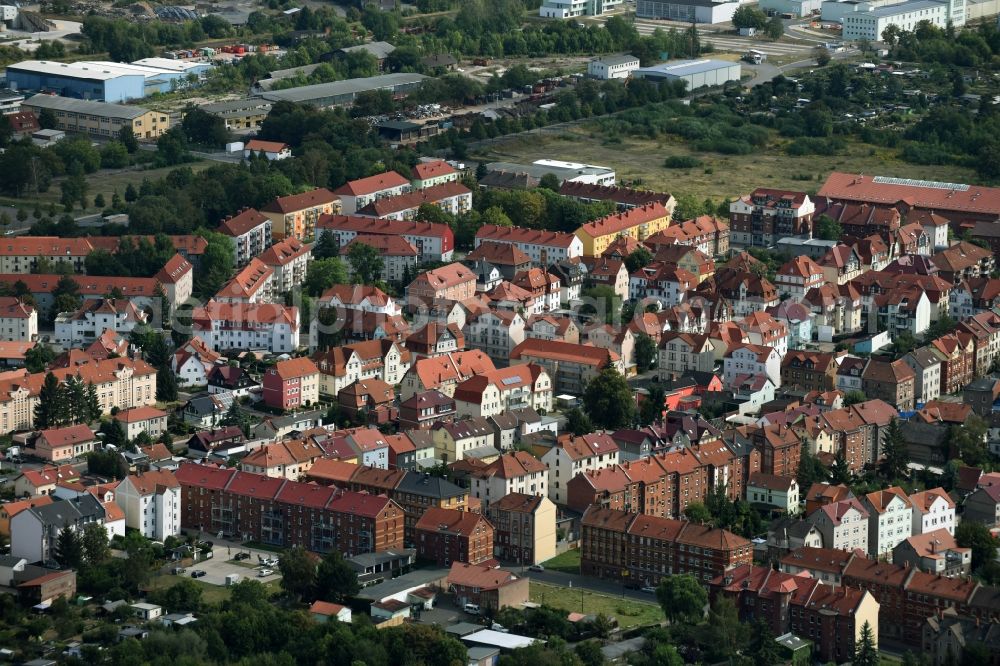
(472, 609)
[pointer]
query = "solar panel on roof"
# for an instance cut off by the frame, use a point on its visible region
(887, 180)
(507, 381)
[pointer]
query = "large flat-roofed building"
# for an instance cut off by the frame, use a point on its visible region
(564, 171)
(343, 93)
(612, 66)
(687, 11)
(101, 80)
(797, 8)
(99, 119)
(562, 9)
(695, 73)
(869, 23)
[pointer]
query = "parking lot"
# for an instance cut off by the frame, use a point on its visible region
(222, 564)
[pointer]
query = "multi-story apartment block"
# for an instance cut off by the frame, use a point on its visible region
(933, 509)
(453, 282)
(433, 242)
(644, 550)
(340, 367)
(291, 384)
(297, 214)
(544, 248)
(18, 320)
(517, 472)
(522, 386)
(289, 259)
(926, 367)
(855, 432)
(287, 513)
(843, 524)
(812, 371)
(891, 381)
(890, 517)
(798, 276)
(251, 234)
(453, 198)
(87, 323)
(524, 528)
(254, 283)
(680, 353)
(572, 455)
(357, 194)
(704, 233)
(570, 366)
(151, 502)
(444, 373)
(765, 216)
(444, 536)
(256, 326)
(432, 172)
(638, 223)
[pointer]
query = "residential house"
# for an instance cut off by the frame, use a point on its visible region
(766, 215)
(812, 371)
(762, 329)
(400, 257)
(34, 532)
(932, 509)
(152, 504)
(433, 241)
(773, 492)
(983, 505)
(542, 247)
(517, 472)
(934, 553)
(516, 387)
(570, 366)
(798, 276)
(18, 320)
(453, 198)
(606, 272)
(843, 524)
(838, 310)
(624, 198)
(251, 234)
(84, 325)
(639, 223)
(357, 194)
(524, 528)
(444, 373)
(423, 410)
(360, 298)
(841, 264)
(274, 328)
(369, 400)
(486, 587)
(288, 459)
(705, 233)
(433, 172)
(254, 283)
(453, 282)
(902, 310)
(296, 215)
(444, 536)
(291, 384)
(963, 261)
(926, 367)
(495, 332)
(572, 455)
(177, 279)
(956, 361)
(193, 361)
(342, 366)
(680, 353)
(66, 443)
(572, 274)
(694, 261)
(891, 381)
(752, 360)
(149, 420)
(288, 259)
(890, 518)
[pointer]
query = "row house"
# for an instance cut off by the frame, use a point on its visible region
(472, 437)
(837, 310)
(552, 327)
(691, 259)
(254, 283)
(435, 339)
(360, 298)
(957, 357)
(432, 172)
(453, 198)
(841, 264)
(544, 288)
(516, 472)
(607, 272)
(619, 546)
(747, 292)
(854, 432)
(572, 274)
(705, 233)
(926, 367)
(444, 536)
(18, 320)
(452, 282)
(933, 509)
(861, 220)
(433, 241)
(570, 366)
(523, 386)
(495, 332)
(843, 525)
(798, 276)
(766, 215)
(288, 459)
(356, 194)
(286, 513)
(542, 247)
(624, 198)
(572, 455)
(288, 259)
(870, 285)
(639, 223)
(809, 370)
(251, 234)
(20, 254)
(831, 617)
(248, 327)
(751, 360)
(903, 310)
(422, 410)
(374, 359)
(984, 330)
(141, 292)
(524, 528)
(762, 329)
(890, 381)
(680, 353)
(913, 239)
(661, 283)
(874, 253)
(400, 257)
(890, 520)
(296, 215)
(974, 295)
(444, 373)
(962, 261)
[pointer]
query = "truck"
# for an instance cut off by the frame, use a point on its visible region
(754, 56)
(232, 579)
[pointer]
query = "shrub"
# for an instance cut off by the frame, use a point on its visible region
(682, 162)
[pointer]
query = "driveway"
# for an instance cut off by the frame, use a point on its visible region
(222, 564)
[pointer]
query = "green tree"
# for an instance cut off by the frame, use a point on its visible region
(822, 56)
(865, 652)
(99, 201)
(697, 512)
(728, 637)
(645, 353)
(366, 262)
(216, 265)
(69, 548)
(127, 138)
(811, 470)
(204, 128)
(969, 441)
(49, 410)
(854, 397)
(114, 434)
(589, 652)
(496, 216)
(578, 423)
(683, 598)
(298, 572)
(826, 228)
(638, 259)
(38, 357)
(325, 247)
(775, 28)
(651, 409)
(747, 16)
(166, 384)
(95, 543)
(47, 119)
(763, 649)
(550, 181)
(608, 400)
(131, 194)
(336, 580)
(897, 456)
(904, 343)
(958, 86)
(975, 535)
(323, 274)
(839, 471)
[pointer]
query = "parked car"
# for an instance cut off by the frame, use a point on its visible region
(264, 573)
(536, 567)
(198, 573)
(177, 571)
(649, 590)
(242, 556)
(472, 609)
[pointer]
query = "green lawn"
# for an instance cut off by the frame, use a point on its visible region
(628, 612)
(210, 594)
(568, 562)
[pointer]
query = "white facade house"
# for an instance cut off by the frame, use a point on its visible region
(542, 247)
(152, 503)
(780, 492)
(18, 321)
(574, 455)
(613, 67)
(34, 532)
(869, 21)
(926, 366)
(94, 317)
(251, 234)
(517, 472)
(748, 359)
(193, 361)
(687, 11)
(137, 420)
(274, 328)
(797, 276)
(563, 9)
(890, 517)
(357, 194)
(933, 510)
(844, 525)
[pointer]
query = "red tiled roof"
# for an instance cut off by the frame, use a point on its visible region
(265, 146)
(295, 367)
(68, 436)
(433, 169)
(372, 184)
(617, 222)
(297, 202)
(242, 223)
(414, 199)
(462, 523)
(204, 476)
(477, 575)
(851, 187)
(492, 232)
(388, 246)
(150, 482)
(564, 351)
(284, 251)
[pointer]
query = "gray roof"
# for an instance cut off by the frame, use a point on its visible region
(904, 7)
(70, 511)
(982, 384)
(480, 452)
(504, 421)
(204, 404)
(924, 357)
(378, 49)
(345, 87)
(927, 434)
(293, 71)
(618, 59)
(413, 579)
(539, 170)
(426, 485)
(688, 67)
(10, 560)
(8, 94)
(103, 109)
(365, 560)
(236, 105)
(463, 629)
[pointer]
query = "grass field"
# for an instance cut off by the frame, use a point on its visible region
(720, 176)
(568, 562)
(210, 594)
(629, 613)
